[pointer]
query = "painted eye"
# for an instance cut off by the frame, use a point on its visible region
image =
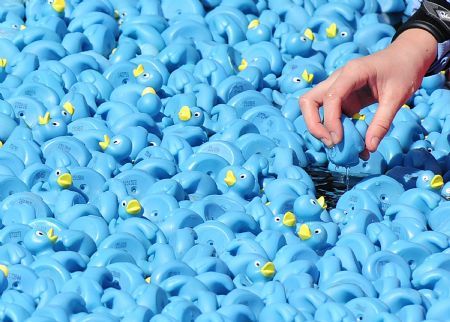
(313, 202)
(345, 212)
(123, 14)
(447, 190)
(15, 26)
(426, 178)
(116, 141)
(58, 172)
(243, 176)
(64, 113)
(55, 123)
(39, 233)
(151, 143)
(197, 114)
(430, 150)
(296, 79)
(317, 231)
(124, 203)
(146, 75)
(277, 219)
(257, 264)
(344, 34)
(303, 38)
(50, 1)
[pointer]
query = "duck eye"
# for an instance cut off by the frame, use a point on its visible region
(123, 14)
(151, 143)
(39, 233)
(15, 26)
(116, 141)
(50, 1)
(447, 190)
(64, 113)
(243, 176)
(197, 114)
(345, 212)
(344, 34)
(303, 38)
(55, 123)
(146, 75)
(296, 79)
(124, 203)
(58, 172)
(425, 178)
(317, 231)
(277, 219)
(257, 264)
(430, 150)
(313, 202)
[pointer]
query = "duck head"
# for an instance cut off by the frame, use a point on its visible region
(37, 241)
(130, 207)
(60, 179)
(193, 116)
(307, 208)
(313, 235)
(118, 146)
(260, 270)
(430, 181)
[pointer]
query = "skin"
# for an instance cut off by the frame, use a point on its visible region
(388, 77)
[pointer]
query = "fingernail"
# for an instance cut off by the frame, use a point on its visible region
(374, 142)
(327, 142)
(364, 155)
(334, 138)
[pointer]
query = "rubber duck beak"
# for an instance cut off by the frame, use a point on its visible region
(322, 203)
(148, 90)
(59, 5)
(253, 24)
(307, 77)
(69, 107)
(268, 270)
(105, 143)
(44, 119)
(304, 232)
(406, 106)
(64, 180)
(148, 280)
(309, 34)
(116, 14)
(230, 178)
(243, 65)
(138, 70)
(1, 144)
(51, 236)
(23, 27)
(5, 270)
(133, 207)
(358, 117)
(185, 113)
(3, 62)
(437, 182)
(289, 219)
(331, 30)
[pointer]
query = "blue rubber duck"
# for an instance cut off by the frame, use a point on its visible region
(428, 180)
(313, 235)
(39, 242)
(284, 223)
(445, 191)
(60, 179)
(259, 270)
(129, 207)
(238, 182)
(307, 208)
(192, 116)
(118, 146)
(48, 128)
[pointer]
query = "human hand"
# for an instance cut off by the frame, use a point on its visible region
(388, 77)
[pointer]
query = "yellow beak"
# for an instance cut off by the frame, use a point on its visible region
(4, 269)
(148, 90)
(406, 106)
(44, 119)
(243, 65)
(23, 27)
(105, 143)
(3, 62)
(59, 5)
(185, 113)
(359, 117)
(437, 182)
(138, 70)
(309, 34)
(64, 180)
(133, 207)
(304, 232)
(116, 14)
(289, 219)
(230, 178)
(148, 280)
(268, 270)
(50, 234)
(322, 203)
(69, 107)
(307, 77)
(1, 144)
(331, 30)
(253, 24)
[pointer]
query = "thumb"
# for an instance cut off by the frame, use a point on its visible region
(381, 122)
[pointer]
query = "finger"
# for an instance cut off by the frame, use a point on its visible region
(382, 121)
(350, 79)
(357, 100)
(309, 105)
